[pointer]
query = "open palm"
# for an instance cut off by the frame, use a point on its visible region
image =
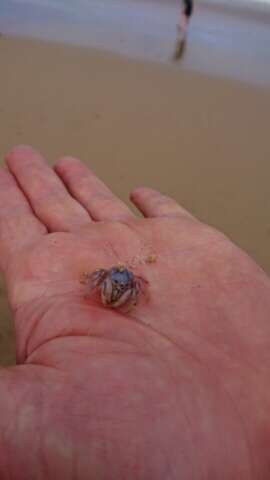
(176, 388)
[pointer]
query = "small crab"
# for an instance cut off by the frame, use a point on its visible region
(118, 286)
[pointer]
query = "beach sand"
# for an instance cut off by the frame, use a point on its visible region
(203, 140)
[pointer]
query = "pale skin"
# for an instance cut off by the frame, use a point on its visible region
(181, 32)
(178, 388)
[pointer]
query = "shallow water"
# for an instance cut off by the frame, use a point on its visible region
(147, 30)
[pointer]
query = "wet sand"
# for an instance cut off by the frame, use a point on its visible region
(201, 139)
(228, 38)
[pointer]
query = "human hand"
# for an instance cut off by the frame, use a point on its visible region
(176, 388)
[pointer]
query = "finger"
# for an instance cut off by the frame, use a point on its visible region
(90, 191)
(18, 224)
(153, 204)
(47, 195)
